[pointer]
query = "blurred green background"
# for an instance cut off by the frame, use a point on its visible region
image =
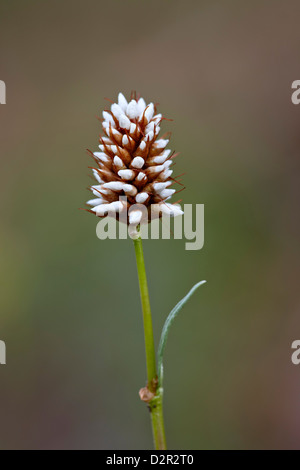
(69, 305)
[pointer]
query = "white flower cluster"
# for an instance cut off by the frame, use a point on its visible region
(132, 162)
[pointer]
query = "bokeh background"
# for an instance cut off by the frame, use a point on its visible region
(70, 312)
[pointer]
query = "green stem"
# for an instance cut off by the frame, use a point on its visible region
(155, 405)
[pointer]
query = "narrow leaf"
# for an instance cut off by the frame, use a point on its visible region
(165, 331)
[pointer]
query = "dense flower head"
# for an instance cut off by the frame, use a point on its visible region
(133, 169)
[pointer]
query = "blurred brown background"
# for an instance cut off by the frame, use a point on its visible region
(69, 305)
